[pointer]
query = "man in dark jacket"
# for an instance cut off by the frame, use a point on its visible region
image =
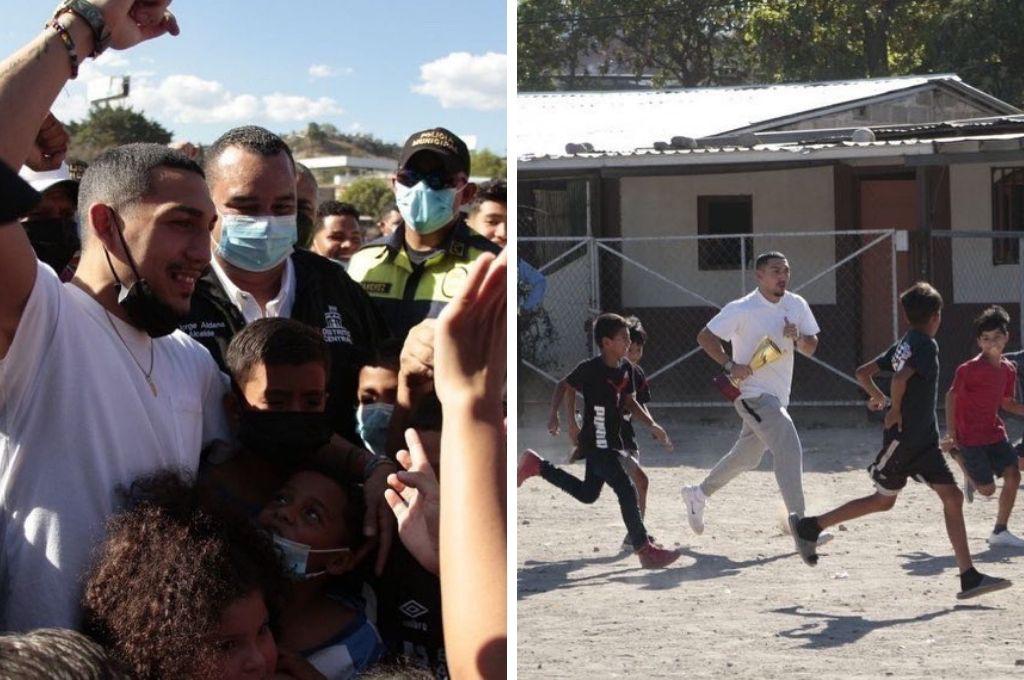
(256, 271)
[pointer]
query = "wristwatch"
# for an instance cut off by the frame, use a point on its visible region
(92, 16)
(728, 366)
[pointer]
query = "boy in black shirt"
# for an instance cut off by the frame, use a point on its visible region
(637, 341)
(911, 439)
(606, 382)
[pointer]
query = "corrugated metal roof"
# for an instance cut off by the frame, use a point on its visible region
(629, 120)
(783, 152)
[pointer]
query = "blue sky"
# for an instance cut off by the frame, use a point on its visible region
(383, 68)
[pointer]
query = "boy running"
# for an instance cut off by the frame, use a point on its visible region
(606, 382)
(910, 442)
(975, 434)
(637, 341)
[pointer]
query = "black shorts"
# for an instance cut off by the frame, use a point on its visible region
(984, 463)
(898, 461)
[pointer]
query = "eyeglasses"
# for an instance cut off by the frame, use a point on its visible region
(434, 180)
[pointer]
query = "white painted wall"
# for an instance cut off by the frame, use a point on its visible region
(800, 200)
(975, 278)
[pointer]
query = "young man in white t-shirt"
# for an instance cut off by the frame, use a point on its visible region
(97, 387)
(769, 311)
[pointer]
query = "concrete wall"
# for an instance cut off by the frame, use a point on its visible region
(975, 278)
(922, 107)
(800, 200)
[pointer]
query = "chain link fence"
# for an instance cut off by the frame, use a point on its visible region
(973, 270)
(676, 284)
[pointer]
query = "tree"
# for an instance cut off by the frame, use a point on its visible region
(106, 127)
(485, 163)
(829, 40)
(565, 43)
(369, 194)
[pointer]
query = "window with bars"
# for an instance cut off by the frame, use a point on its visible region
(721, 215)
(1007, 213)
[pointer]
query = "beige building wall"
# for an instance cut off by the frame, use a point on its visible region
(975, 278)
(798, 200)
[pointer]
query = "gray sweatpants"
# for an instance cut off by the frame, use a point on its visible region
(766, 426)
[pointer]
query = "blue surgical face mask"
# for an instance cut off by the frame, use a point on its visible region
(256, 244)
(373, 421)
(296, 555)
(424, 209)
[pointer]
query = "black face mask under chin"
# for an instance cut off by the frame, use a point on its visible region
(283, 437)
(140, 303)
(54, 240)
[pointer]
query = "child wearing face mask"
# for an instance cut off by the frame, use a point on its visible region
(279, 370)
(378, 390)
(314, 520)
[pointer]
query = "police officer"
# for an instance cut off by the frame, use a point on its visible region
(256, 271)
(414, 272)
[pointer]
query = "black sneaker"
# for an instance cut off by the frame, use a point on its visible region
(807, 549)
(987, 584)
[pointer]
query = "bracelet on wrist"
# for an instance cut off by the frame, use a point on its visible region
(69, 43)
(92, 16)
(374, 463)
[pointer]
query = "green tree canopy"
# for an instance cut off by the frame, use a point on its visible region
(106, 127)
(369, 194)
(486, 163)
(578, 44)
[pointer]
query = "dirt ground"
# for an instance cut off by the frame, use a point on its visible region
(739, 603)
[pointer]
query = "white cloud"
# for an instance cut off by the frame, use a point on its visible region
(321, 71)
(189, 99)
(463, 80)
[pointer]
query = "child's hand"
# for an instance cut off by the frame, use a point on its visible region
(877, 402)
(470, 338)
(415, 499)
(416, 364)
(894, 417)
(553, 424)
(378, 522)
(659, 433)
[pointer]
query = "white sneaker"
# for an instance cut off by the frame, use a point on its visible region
(695, 501)
(1006, 538)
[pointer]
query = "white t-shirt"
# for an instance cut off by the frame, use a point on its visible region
(746, 321)
(78, 419)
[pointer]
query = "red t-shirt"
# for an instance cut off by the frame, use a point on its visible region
(979, 388)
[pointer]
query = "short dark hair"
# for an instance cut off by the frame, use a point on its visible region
(496, 191)
(607, 325)
(252, 138)
(303, 171)
(387, 354)
(187, 560)
(920, 303)
(329, 208)
(56, 653)
(124, 174)
(637, 333)
(995, 318)
(275, 342)
(325, 462)
(387, 211)
(763, 258)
